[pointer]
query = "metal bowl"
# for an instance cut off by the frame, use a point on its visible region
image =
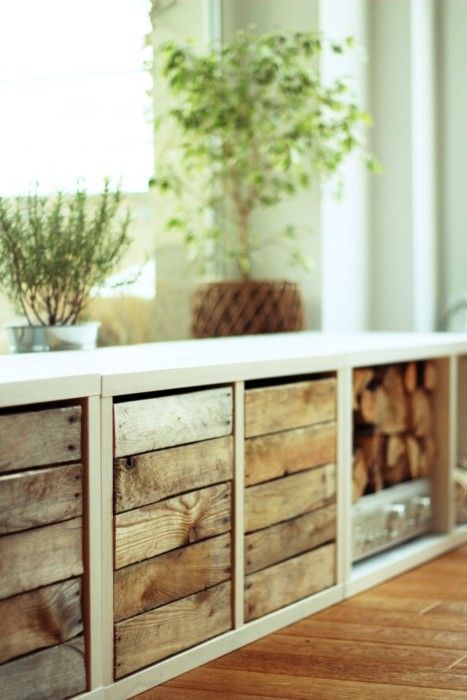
(81, 336)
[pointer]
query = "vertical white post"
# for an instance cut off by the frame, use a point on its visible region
(107, 538)
(391, 248)
(442, 478)
(213, 21)
(239, 500)
(344, 223)
(344, 475)
(93, 541)
(423, 128)
(453, 437)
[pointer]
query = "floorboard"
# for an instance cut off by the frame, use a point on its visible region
(405, 639)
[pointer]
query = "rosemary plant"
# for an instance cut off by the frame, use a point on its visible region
(55, 250)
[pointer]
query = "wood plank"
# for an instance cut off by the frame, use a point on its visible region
(442, 565)
(285, 406)
(461, 666)
(282, 499)
(40, 618)
(171, 576)
(282, 584)
(444, 607)
(341, 660)
(165, 421)
(50, 674)
(282, 541)
(371, 599)
(181, 694)
(434, 586)
(233, 684)
(159, 633)
(39, 438)
(388, 656)
(37, 557)
(33, 498)
(175, 522)
(349, 613)
(404, 632)
(278, 454)
(150, 477)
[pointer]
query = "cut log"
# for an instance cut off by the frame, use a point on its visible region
(410, 377)
(286, 406)
(32, 498)
(153, 476)
(166, 421)
(147, 638)
(175, 522)
(368, 406)
(37, 557)
(422, 413)
(414, 455)
(50, 674)
(40, 618)
(395, 449)
(39, 438)
(287, 539)
(391, 403)
(396, 468)
(282, 499)
(285, 583)
(177, 574)
(361, 377)
(430, 375)
(373, 447)
(428, 457)
(278, 454)
(359, 475)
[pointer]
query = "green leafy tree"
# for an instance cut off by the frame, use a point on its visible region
(54, 251)
(254, 125)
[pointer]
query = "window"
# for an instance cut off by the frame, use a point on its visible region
(73, 95)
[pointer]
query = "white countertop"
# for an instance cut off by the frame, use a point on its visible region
(152, 366)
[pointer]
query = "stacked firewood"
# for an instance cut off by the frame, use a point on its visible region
(393, 425)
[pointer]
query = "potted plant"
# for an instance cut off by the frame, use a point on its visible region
(53, 252)
(254, 124)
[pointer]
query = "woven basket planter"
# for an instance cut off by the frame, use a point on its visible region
(245, 306)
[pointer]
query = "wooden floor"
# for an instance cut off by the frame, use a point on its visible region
(404, 639)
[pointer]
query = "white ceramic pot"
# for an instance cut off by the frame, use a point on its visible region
(25, 338)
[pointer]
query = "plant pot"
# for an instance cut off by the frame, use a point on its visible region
(25, 338)
(240, 307)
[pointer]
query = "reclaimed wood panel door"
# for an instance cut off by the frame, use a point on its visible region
(42, 648)
(290, 492)
(173, 472)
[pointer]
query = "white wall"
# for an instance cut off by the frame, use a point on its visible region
(391, 303)
(418, 90)
(303, 211)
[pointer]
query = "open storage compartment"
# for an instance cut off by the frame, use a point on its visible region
(401, 454)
